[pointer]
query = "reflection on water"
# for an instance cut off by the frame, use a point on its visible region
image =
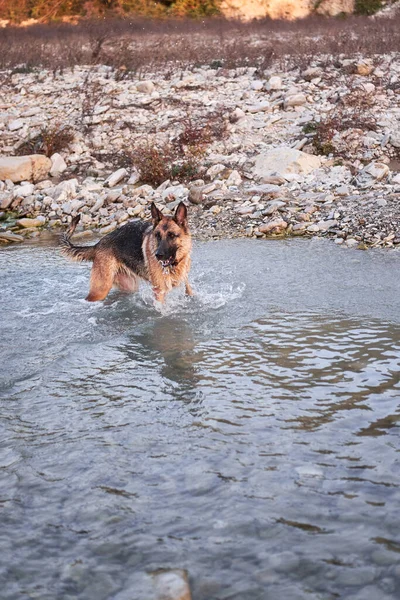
(249, 435)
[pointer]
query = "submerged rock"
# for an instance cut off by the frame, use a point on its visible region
(172, 585)
(38, 222)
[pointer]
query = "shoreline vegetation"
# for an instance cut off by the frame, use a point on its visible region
(26, 12)
(267, 128)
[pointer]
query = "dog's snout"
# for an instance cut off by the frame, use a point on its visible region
(162, 251)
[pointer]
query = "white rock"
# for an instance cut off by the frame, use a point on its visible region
(343, 190)
(6, 201)
(175, 192)
(237, 114)
(135, 210)
(108, 228)
(275, 226)
(295, 100)
(273, 207)
(16, 124)
(215, 170)
(395, 140)
(245, 210)
(396, 178)
(145, 87)
(116, 177)
(275, 83)
(368, 87)
(58, 165)
(34, 167)
(134, 177)
(234, 178)
(260, 107)
(325, 225)
(98, 204)
(76, 205)
(283, 161)
(377, 170)
(64, 190)
(23, 191)
(257, 85)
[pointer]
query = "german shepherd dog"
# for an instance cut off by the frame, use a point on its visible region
(157, 251)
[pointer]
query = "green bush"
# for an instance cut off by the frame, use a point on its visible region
(367, 7)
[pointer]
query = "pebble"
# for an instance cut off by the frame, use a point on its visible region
(145, 87)
(275, 226)
(294, 190)
(116, 177)
(26, 222)
(16, 124)
(58, 165)
(215, 170)
(343, 190)
(364, 68)
(295, 100)
(275, 83)
(11, 237)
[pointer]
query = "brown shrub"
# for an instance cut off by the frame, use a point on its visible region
(156, 164)
(47, 141)
(352, 114)
(201, 130)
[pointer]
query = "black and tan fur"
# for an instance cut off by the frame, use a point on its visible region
(158, 252)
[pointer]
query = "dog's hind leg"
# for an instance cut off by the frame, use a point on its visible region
(126, 283)
(102, 277)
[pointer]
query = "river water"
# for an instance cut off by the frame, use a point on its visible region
(249, 434)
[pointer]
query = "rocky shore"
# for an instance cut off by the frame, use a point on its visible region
(308, 150)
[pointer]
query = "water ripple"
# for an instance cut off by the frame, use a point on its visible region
(249, 434)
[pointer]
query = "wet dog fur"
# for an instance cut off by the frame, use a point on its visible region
(157, 251)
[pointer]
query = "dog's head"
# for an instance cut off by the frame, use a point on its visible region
(171, 235)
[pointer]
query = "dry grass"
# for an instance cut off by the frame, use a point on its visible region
(137, 45)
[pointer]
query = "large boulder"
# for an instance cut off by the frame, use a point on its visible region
(34, 167)
(279, 161)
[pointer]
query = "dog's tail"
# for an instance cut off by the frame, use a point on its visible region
(78, 253)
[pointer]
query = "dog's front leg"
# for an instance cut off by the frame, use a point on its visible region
(188, 288)
(159, 295)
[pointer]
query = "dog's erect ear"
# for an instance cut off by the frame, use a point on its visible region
(180, 215)
(156, 214)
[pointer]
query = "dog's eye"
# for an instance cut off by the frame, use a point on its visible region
(158, 236)
(171, 235)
